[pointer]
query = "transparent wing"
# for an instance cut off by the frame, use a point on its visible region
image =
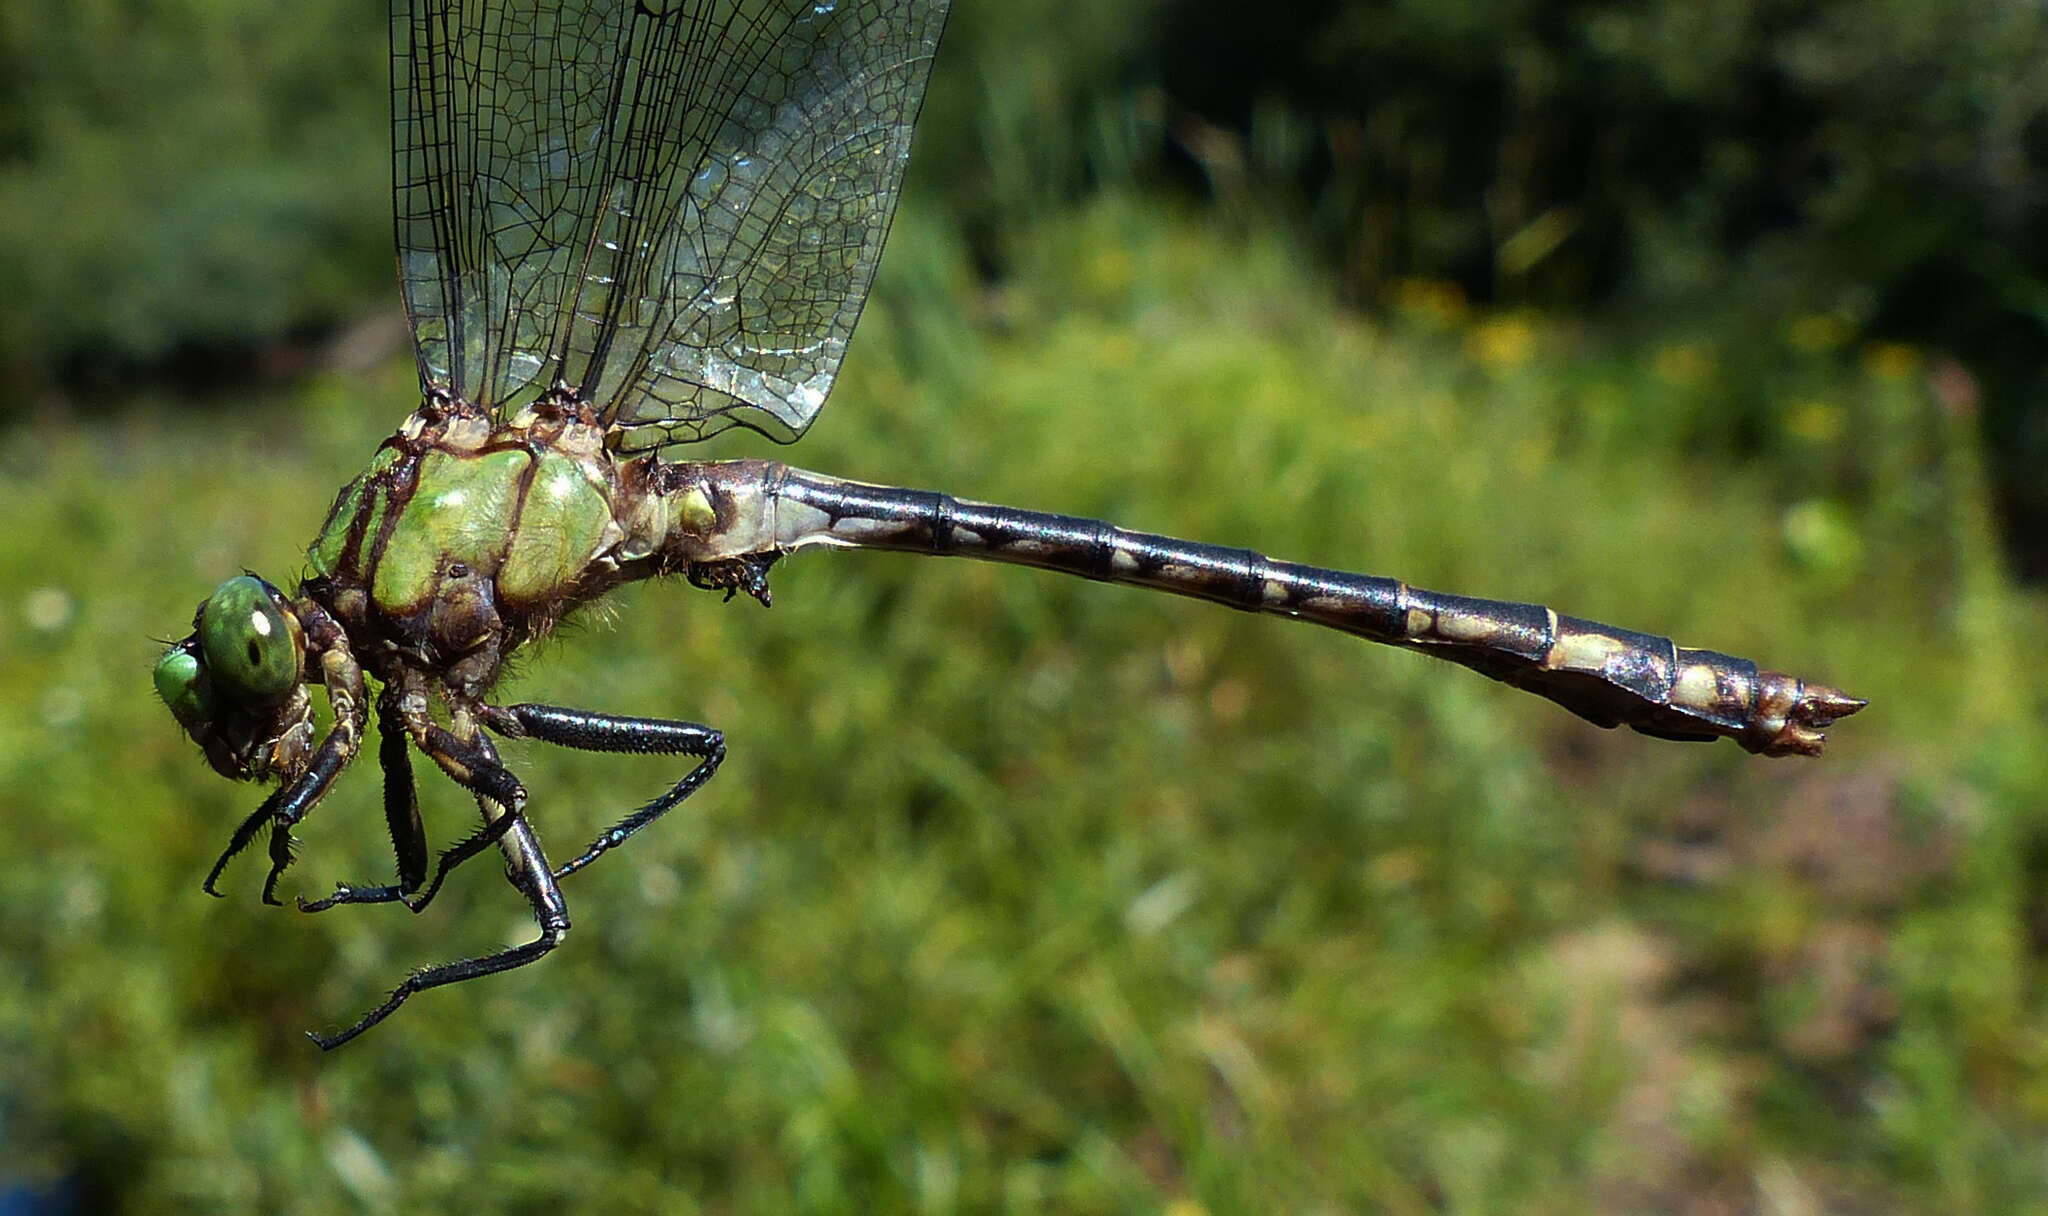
(674, 207)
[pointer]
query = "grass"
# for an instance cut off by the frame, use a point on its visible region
(1021, 893)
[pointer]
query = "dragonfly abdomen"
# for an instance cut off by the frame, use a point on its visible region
(1608, 675)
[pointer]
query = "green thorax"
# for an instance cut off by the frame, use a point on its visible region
(529, 521)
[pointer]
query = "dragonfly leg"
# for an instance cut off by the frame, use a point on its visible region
(401, 797)
(525, 865)
(401, 815)
(595, 732)
(240, 840)
(474, 764)
(734, 575)
(449, 973)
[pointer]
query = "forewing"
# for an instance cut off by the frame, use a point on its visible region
(674, 208)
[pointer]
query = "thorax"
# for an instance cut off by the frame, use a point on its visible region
(463, 536)
(463, 540)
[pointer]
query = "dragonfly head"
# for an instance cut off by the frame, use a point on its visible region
(237, 682)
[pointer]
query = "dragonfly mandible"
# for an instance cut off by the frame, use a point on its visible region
(624, 226)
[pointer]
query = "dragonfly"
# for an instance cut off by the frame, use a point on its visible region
(623, 227)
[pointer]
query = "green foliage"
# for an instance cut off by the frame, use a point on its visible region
(199, 175)
(1554, 150)
(185, 176)
(1025, 893)
(1730, 162)
(178, 174)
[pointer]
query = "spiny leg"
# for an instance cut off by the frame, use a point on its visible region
(472, 764)
(401, 815)
(595, 732)
(286, 805)
(527, 867)
(475, 763)
(299, 798)
(401, 796)
(240, 840)
(449, 973)
(583, 730)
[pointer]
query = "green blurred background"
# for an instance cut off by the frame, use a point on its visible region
(1021, 893)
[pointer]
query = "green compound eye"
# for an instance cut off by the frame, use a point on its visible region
(182, 684)
(251, 647)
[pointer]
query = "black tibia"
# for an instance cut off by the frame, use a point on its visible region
(472, 764)
(476, 765)
(401, 815)
(294, 800)
(243, 835)
(525, 865)
(551, 931)
(594, 732)
(401, 797)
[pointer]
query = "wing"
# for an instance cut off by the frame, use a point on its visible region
(673, 207)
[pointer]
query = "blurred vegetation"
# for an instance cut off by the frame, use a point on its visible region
(205, 180)
(185, 182)
(1022, 893)
(1882, 163)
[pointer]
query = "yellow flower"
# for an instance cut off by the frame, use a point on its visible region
(1437, 300)
(1819, 421)
(1111, 271)
(1891, 360)
(1815, 332)
(1502, 344)
(1684, 363)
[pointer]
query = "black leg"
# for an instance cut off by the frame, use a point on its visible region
(280, 857)
(594, 732)
(300, 797)
(401, 797)
(293, 800)
(292, 804)
(475, 765)
(349, 893)
(447, 973)
(243, 835)
(401, 815)
(483, 838)
(527, 867)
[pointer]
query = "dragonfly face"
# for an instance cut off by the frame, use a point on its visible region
(236, 683)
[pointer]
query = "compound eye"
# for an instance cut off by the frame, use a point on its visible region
(251, 646)
(182, 683)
